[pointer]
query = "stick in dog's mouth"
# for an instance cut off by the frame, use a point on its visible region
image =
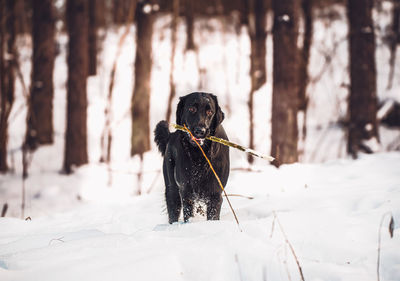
(194, 139)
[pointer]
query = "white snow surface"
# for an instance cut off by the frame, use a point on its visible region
(92, 225)
(329, 212)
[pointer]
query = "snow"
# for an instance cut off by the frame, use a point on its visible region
(330, 213)
(383, 111)
(284, 18)
(92, 225)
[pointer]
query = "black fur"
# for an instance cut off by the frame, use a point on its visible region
(187, 175)
(161, 136)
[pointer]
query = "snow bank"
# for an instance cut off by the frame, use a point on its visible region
(329, 212)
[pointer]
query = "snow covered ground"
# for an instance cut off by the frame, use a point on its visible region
(93, 226)
(329, 212)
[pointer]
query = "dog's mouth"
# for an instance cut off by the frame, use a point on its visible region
(193, 140)
(198, 140)
(197, 136)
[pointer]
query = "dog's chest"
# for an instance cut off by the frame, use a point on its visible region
(192, 173)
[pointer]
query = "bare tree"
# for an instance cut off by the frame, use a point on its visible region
(174, 26)
(8, 56)
(307, 6)
(140, 142)
(102, 10)
(258, 37)
(362, 98)
(106, 136)
(120, 9)
(92, 37)
(394, 40)
(189, 18)
(40, 116)
(285, 82)
(76, 135)
(258, 71)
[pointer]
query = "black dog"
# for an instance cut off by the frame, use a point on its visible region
(187, 174)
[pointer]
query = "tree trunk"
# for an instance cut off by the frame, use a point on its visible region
(394, 40)
(189, 18)
(121, 10)
(141, 94)
(362, 99)
(304, 61)
(258, 71)
(23, 17)
(258, 36)
(285, 82)
(7, 76)
(305, 53)
(101, 13)
(76, 135)
(92, 37)
(4, 104)
(40, 117)
(117, 11)
(172, 88)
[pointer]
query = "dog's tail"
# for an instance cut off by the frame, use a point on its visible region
(161, 136)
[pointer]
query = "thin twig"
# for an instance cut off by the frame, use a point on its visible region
(26, 162)
(57, 239)
(140, 176)
(4, 210)
(250, 170)
(107, 131)
(134, 173)
(25, 91)
(174, 24)
(239, 269)
(290, 245)
(272, 227)
(285, 263)
(24, 177)
(239, 195)
(154, 181)
(379, 243)
(318, 146)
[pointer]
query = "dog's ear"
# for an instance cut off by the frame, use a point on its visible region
(219, 114)
(179, 110)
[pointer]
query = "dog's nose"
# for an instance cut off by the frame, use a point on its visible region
(199, 131)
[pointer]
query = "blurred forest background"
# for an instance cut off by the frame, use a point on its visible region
(314, 83)
(286, 50)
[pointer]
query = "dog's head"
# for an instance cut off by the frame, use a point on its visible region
(201, 113)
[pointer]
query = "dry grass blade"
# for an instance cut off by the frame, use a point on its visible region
(240, 195)
(57, 239)
(391, 229)
(4, 210)
(290, 245)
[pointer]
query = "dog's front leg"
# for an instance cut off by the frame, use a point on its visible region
(174, 204)
(187, 201)
(214, 203)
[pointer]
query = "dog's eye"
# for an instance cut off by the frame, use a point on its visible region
(209, 113)
(192, 109)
